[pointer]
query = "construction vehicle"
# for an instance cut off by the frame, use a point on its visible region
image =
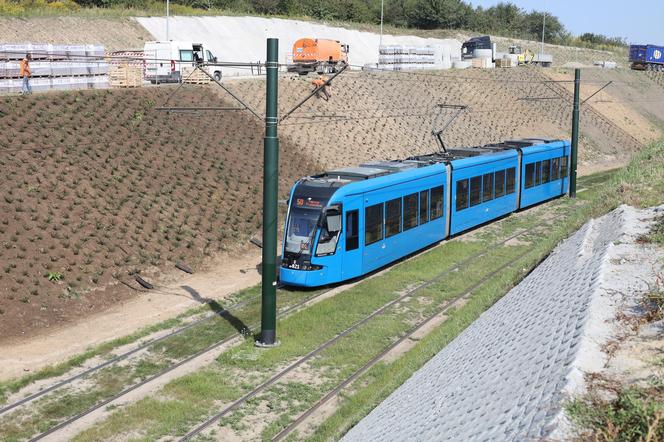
(318, 55)
(163, 60)
(477, 47)
(529, 57)
(646, 57)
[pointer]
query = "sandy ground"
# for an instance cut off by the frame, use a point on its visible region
(227, 275)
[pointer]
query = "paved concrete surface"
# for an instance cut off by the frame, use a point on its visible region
(503, 377)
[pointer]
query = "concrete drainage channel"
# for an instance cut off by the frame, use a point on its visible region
(504, 376)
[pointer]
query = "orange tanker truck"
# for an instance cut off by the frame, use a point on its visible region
(318, 55)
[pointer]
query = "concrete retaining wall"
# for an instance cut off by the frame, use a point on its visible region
(504, 376)
(243, 38)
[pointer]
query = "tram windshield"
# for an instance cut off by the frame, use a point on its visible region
(302, 225)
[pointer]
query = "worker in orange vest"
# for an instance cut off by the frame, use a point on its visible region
(326, 88)
(25, 74)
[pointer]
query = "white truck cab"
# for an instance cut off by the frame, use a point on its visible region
(162, 60)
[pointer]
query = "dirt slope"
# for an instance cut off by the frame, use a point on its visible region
(113, 33)
(391, 115)
(98, 184)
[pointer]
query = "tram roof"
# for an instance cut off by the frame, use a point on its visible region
(375, 169)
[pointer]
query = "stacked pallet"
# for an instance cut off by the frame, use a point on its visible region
(191, 75)
(53, 66)
(125, 75)
(504, 63)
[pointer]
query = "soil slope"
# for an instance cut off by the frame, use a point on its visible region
(97, 185)
(113, 33)
(391, 115)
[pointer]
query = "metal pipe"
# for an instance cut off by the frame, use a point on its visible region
(268, 336)
(167, 17)
(575, 133)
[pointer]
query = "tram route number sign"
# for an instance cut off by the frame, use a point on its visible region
(308, 203)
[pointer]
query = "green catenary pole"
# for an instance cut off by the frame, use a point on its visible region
(575, 133)
(268, 335)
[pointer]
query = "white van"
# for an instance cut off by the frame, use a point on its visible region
(162, 60)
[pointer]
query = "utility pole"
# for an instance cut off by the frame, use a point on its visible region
(268, 337)
(380, 41)
(575, 133)
(543, 23)
(167, 17)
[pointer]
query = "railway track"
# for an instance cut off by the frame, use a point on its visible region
(121, 357)
(165, 371)
(275, 378)
(214, 346)
(446, 305)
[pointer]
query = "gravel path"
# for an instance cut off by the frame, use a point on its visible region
(503, 377)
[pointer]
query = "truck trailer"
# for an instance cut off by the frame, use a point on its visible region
(646, 57)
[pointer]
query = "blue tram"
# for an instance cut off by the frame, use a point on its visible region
(347, 222)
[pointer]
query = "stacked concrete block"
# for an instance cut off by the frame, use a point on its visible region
(400, 57)
(53, 66)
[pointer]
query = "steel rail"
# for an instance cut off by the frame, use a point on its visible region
(337, 337)
(284, 312)
(125, 355)
(165, 371)
(373, 361)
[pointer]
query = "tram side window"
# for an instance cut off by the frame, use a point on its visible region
(392, 217)
(437, 200)
(538, 173)
(352, 233)
(424, 206)
(563, 167)
(546, 171)
(510, 179)
(475, 190)
(555, 169)
(487, 192)
(500, 183)
(410, 211)
(462, 194)
(373, 231)
(530, 175)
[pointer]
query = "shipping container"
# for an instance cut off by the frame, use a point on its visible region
(648, 57)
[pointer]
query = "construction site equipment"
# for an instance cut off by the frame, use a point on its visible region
(318, 55)
(164, 60)
(529, 57)
(646, 57)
